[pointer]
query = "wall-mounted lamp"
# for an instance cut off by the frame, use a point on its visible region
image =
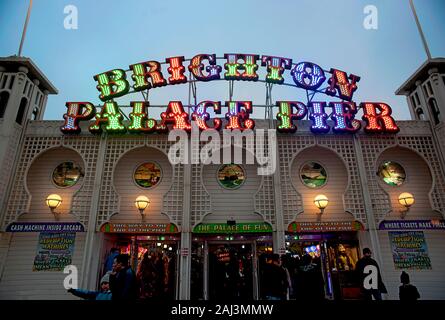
(142, 202)
(321, 202)
(406, 199)
(53, 201)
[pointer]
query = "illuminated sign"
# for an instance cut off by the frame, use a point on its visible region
(412, 225)
(327, 226)
(148, 75)
(139, 228)
(236, 228)
(46, 227)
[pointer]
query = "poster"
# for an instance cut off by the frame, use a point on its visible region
(54, 251)
(409, 250)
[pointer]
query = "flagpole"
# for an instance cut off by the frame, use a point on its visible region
(24, 28)
(419, 27)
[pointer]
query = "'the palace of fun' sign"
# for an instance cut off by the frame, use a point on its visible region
(203, 67)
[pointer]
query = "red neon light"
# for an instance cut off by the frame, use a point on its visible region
(174, 114)
(176, 70)
(77, 111)
(378, 122)
(239, 118)
(143, 71)
(339, 81)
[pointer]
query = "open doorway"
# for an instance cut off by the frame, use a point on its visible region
(231, 271)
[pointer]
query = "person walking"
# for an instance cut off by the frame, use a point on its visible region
(362, 263)
(103, 294)
(407, 291)
(123, 280)
(108, 265)
(275, 283)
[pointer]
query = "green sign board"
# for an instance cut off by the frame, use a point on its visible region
(251, 227)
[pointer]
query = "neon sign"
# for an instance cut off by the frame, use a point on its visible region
(152, 74)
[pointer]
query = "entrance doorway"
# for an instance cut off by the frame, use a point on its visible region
(153, 258)
(232, 271)
(228, 266)
(322, 265)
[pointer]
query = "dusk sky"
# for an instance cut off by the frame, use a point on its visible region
(114, 34)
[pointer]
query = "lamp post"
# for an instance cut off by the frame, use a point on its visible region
(406, 199)
(53, 201)
(141, 203)
(321, 202)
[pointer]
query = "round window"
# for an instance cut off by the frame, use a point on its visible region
(67, 174)
(392, 173)
(147, 175)
(231, 176)
(313, 175)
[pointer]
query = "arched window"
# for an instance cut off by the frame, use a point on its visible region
(21, 112)
(4, 98)
(434, 108)
(35, 113)
(420, 114)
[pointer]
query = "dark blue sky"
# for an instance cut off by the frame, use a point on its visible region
(114, 34)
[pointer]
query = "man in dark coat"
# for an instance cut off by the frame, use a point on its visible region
(275, 281)
(123, 280)
(366, 260)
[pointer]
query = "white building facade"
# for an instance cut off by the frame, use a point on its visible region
(199, 222)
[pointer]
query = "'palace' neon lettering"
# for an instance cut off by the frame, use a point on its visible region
(240, 67)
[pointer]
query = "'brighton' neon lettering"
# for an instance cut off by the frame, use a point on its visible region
(336, 116)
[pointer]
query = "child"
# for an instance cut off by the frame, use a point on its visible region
(407, 292)
(104, 294)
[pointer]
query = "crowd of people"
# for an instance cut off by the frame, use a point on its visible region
(281, 278)
(284, 278)
(153, 279)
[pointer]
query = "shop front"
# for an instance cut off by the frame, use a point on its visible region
(153, 249)
(227, 260)
(321, 258)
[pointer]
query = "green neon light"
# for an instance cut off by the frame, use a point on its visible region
(284, 116)
(112, 84)
(139, 121)
(111, 117)
(140, 83)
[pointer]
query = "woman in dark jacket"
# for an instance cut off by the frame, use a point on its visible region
(407, 292)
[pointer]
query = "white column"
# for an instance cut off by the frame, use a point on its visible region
(371, 236)
(279, 240)
(91, 259)
(186, 235)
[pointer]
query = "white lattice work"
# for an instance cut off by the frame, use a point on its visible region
(289, 146)
(371, 147)
(353, 197)
(34, 146)
(264, 199)
(109, 199)
(425, 146)
(8, 162)
(200, 198)
(88, 147)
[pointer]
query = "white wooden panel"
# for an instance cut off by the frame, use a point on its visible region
(18, 281)
(418, 182)
(128, 190)
(430, 283)
(334, 188)
(236, 203)
(40, 185)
